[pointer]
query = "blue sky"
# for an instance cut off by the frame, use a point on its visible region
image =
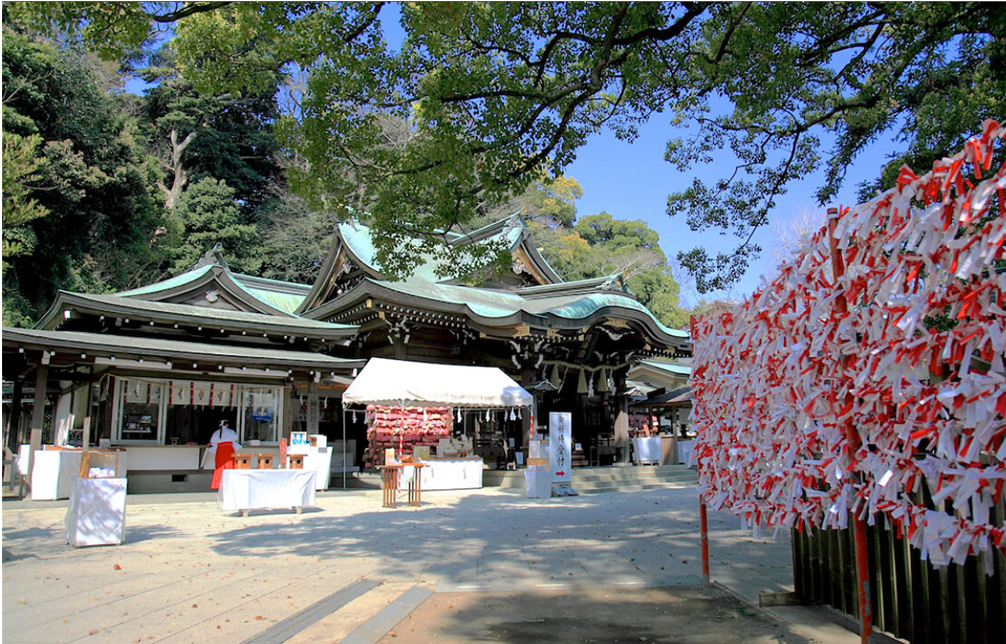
(632, 181)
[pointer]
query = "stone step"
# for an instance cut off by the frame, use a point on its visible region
(606, 478)
(613, 478)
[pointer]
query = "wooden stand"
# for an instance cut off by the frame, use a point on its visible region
(296, 461)
(389, 484)
(242, 461)
(264, 461)
(416, 485)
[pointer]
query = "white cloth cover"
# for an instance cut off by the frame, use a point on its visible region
(646, 449)
(54, 473)
(96, 514)
(316, 459)
(451, 474)
(250, 489)
(684, 451)
(539, 482)
(392, 382)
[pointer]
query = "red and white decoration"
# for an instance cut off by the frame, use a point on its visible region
(916, 366)
(404, 428)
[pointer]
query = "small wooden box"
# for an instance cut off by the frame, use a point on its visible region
(265, 461)
(296, 461)
(242, 461)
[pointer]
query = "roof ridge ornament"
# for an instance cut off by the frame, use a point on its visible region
(213, 257)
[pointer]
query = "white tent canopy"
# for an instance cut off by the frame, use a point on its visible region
(397, 382)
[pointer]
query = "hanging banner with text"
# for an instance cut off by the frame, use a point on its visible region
(560, 445)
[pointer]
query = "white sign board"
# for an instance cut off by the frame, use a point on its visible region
(560, 440)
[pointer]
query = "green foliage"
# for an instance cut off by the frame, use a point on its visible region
(21, 166)
(195, 135)
(600, 245)
(208, 214)
(493, 95)
(295, 239)
(494, 92)
(90, 175)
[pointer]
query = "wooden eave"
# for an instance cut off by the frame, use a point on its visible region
(186, 316)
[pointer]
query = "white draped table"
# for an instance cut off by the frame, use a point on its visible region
(450, 474)
(246, 490)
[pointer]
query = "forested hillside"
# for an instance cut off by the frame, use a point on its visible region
(106, 189)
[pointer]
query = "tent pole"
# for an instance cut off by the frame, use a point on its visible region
(345, 419)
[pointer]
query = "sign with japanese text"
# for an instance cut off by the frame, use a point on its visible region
(560, 440)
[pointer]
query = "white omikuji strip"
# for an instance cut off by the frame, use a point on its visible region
(770, 378)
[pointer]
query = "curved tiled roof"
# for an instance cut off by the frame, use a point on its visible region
(170, 312)
(285, 296)
(494, 307)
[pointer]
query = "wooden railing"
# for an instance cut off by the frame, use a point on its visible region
(910, 598)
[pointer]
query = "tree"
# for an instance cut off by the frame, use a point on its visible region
(76, 154)
(206, 215)
(21, 166)
(194, 134)
(495, 92)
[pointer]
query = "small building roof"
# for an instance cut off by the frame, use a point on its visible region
(659, 373)
(180, 351)
(247, 291)
(189, 315)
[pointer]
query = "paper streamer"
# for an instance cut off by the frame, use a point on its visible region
(920, 355)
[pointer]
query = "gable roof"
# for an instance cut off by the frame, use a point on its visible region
(192, 316)
(244, 292)
(356, 241)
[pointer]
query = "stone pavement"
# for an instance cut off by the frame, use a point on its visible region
(350, 569)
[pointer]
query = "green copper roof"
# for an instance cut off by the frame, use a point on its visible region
(168, 312)
(497, 304)
(360, 243)
(673, 369)
(173, 282)
(286, 296)
(283, 301)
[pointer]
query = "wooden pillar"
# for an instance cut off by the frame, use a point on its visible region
(313, 408)
(14, 420)
(41, 378)
(38, 410)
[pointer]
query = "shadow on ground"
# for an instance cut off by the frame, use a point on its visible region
(662, 615)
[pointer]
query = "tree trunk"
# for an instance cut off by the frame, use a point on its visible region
(177, 168)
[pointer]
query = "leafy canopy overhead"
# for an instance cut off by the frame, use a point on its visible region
(494, 92)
